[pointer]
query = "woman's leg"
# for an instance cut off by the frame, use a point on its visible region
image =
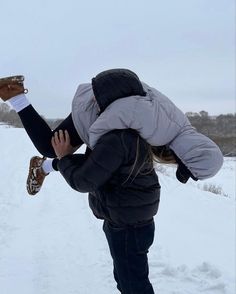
(41, 134)
(12, 90)
(38, 131)
(129, 248)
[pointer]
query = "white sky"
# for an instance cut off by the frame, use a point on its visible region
(185, 48)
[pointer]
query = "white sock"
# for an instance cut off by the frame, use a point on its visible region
(19, 102)
(47, 166)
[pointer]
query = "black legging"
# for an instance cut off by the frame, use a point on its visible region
(41, 134)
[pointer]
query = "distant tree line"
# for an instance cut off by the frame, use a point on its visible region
(221, 129)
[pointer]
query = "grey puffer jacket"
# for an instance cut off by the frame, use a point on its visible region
(157, 120)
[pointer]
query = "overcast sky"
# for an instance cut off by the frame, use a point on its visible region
(184, 48)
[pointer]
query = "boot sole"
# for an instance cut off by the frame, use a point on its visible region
(31, 165)
(28, 178)
(13, 79)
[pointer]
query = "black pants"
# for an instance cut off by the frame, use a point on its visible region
(41, 134)
(129, 248)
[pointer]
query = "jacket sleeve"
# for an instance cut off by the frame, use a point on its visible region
(87, 174)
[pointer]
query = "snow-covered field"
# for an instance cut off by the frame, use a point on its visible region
(52, 244)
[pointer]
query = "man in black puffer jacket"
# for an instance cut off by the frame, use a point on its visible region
(122, 184)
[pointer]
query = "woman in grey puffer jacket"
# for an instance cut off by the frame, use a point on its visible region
(153, 115)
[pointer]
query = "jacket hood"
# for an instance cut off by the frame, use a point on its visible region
(113, 84)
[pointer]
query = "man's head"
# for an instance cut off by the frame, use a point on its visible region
(113, 84)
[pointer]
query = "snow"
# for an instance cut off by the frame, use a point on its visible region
(51, 243)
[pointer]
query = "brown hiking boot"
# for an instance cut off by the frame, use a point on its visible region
(36, 175)
(12, 86)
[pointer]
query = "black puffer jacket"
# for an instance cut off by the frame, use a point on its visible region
(116, 193)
